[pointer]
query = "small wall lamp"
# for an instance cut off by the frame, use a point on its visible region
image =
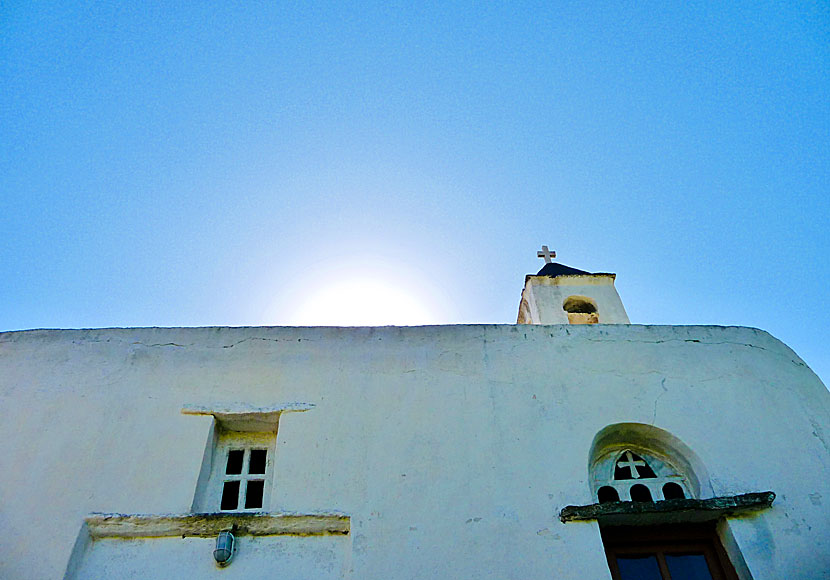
(224, 548)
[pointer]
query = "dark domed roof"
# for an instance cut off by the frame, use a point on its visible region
(553, 270)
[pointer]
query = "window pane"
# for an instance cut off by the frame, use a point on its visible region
(253, 494)
(257, 464)
(230, 495)
(639, 568)
(235, 457)
(688, 567)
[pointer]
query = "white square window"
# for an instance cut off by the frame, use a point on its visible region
(237, 471)
(241, 472)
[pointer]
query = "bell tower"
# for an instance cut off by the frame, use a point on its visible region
(559, 294)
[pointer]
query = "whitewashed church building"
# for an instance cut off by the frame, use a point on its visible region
(571, 445)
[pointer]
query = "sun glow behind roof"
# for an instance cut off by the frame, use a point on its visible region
(362, 302)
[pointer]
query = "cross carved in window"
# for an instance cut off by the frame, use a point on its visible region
(628, 476)
(632, 466)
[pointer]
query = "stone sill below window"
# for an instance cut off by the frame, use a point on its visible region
(668, 511)
(209, 525)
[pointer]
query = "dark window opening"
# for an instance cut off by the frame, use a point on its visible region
(235, 459)
(580, 310)
(257, 463)
(230, 495)
(673, 491)
(579, 305)
(253, 494)
(607, 494)
(640, 492)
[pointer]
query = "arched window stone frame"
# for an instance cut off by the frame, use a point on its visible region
(697, 517)
(669, 458)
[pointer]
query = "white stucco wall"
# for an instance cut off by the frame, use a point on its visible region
(287, 558)
(452, 448)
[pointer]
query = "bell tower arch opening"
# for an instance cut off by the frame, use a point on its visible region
(581, 310)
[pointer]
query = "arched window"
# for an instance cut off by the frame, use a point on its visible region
(581, 310)
(672, 490)
(639, 492)
(638, 475)
(607, 494)
(645, 465)
(626, 454)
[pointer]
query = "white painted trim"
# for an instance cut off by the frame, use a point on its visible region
(209, 525)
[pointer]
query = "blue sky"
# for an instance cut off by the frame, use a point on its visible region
(197, 165)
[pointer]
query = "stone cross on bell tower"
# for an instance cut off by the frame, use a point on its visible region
(546, 254)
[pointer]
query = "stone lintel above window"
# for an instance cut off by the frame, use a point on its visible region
(209, 525)
(668, 511)
(242, 417)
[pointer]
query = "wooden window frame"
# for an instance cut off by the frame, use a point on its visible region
(668, 539)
